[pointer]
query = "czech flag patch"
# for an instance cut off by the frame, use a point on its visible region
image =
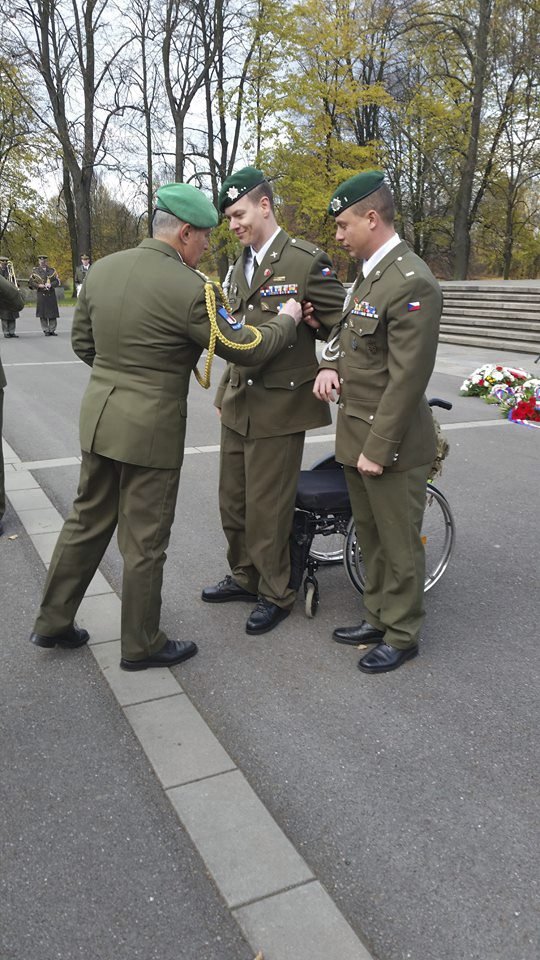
(235, 324)
(415, 305)
(327, 271)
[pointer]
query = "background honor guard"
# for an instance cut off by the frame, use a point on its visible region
(81, 272)
(8, 315)
(141, 322)
(378, 363)
(266, 411)
(44, 279)
(11, 301)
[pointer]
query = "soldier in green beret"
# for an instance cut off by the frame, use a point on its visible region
(11, 300)
(378, 364)
(81, 272)
(265, 411)
(142, 320)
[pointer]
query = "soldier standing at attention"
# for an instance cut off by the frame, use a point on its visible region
(141, 322)
(44, 279)
(81, 272)
(8, 315)
(265, 411)
(11, 299)
(378, 364)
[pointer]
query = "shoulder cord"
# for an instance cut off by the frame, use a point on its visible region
(216, 334)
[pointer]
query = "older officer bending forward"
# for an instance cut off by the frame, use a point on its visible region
(380, 362)
(141, 323)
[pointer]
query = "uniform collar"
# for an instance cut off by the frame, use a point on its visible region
(375, 258)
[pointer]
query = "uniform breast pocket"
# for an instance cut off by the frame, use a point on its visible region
(364, 343)
(273, 304)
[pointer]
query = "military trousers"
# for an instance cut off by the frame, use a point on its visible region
(388, 512)
(2, 477)
(8, 326)
(141, 502)
(257, 492)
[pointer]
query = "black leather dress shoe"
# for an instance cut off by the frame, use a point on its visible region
(384, 658)
(265, 616)
(74, 637)
(174, 651)
(363, 633)
(227, 589)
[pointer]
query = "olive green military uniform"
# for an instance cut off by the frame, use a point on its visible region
(141, 323)
(81, 273)
(265, 412)
(47, 304)
(8, 315)
(386, 348)
(10, 299)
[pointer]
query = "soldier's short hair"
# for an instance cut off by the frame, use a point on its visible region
(164, 223)
(260, 191)
(381, 201)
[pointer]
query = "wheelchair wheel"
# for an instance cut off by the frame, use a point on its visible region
(438, 537)
(311, 594)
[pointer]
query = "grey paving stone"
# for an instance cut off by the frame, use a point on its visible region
(248, 854)
(101, 617)
(136, 687)
(98, 585)
(31, 499)
(303, 923)
(44, 520)
(176, 740)
(20, 480)
(44, 544)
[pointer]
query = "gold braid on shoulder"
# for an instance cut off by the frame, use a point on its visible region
(216, 334)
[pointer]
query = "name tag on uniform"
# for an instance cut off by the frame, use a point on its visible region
(235, 324)
(279, 290)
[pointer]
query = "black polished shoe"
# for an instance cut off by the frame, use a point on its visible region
(363, 633)
(46, 333)
(384, 658)
(52, 333)
(74, 637)
(227, 589)
(174, 651)
(265, 616)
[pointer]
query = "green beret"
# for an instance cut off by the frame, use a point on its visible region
(238, 184)
(355, 189)
(187, 203)
(43, 257)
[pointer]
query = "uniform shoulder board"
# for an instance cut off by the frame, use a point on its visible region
(406, 265)
(306, 246)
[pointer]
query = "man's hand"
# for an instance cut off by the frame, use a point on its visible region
(293, 309)
(308, 315)
(327, 386)
(368, 467)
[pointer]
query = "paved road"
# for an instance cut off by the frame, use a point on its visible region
(410, 796)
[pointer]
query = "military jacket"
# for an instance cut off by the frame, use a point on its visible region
(10, 299)
(384, 351)
(7, 312)
(81, 273)
(276, 398)
(141, 323)
(47, 304)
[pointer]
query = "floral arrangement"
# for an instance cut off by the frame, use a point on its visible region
(516, 392)
(490, 376)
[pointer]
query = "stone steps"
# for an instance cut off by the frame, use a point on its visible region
(503, 315)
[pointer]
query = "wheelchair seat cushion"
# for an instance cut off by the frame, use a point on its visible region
(323, 491)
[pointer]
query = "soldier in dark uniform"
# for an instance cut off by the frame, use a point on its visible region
(378, 364)
(141, 322)
(81, 272)
(266, 411)
(11, 299)
(44, 279)
(8, 316)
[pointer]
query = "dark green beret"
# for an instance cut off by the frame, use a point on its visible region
(187, 203)
(43, 257)
(238, 184)
(355, 189)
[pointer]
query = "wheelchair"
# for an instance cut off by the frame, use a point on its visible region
(324, 532)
